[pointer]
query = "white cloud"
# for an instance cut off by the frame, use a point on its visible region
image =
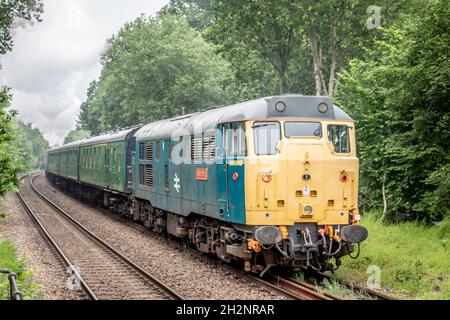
(53, 62)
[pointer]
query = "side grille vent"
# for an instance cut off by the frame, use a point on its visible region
(166, 178)
(149, 151)
(196, 149)
(142, 174)
(141, 151)
(209, 148)
(149, 175)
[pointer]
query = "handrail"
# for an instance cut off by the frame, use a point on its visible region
(14, 292)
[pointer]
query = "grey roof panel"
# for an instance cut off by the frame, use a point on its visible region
(297, 106)
(106, 138)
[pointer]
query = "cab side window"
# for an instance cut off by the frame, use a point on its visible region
(339, 137)
(266, 136)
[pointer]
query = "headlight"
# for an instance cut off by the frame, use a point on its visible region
(323, 108)
(308, 210)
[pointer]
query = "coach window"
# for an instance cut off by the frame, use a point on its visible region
(339, 137)
(266, 136)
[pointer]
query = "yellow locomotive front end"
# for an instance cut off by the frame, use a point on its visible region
(302, 188)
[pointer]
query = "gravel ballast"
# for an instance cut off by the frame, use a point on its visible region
(176, 267)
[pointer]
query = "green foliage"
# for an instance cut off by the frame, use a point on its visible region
(9, 260)
(399, 99)
(77, 134)
(30, 145)
(262, 29)
(9, 166)
(152, 68)
(10, 10)
(414, 258)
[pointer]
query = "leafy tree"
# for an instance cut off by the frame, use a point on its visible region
(152, 69)
(76, 135)
(9, 166)
(31, 145)
(267, 28)
(198, 13)
(399, 98)
(10, 11)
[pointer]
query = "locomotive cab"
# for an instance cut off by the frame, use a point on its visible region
(301, 183)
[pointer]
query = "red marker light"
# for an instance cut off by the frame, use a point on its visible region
(267, 178)
(235, 176)
(344, 177)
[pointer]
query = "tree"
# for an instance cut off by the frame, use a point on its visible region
(399, 97)
(152, 69)
(76, 135)
(9, 166)
(264, 27)
(10, 11)
(31, 145)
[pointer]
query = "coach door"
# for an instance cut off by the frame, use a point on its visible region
(106, 166)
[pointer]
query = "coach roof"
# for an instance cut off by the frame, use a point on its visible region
(297, 106)
(106, 138)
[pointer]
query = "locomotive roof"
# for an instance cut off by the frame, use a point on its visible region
(109, 137)
(297, 106)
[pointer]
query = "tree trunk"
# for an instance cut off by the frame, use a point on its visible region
(333, 63)
(316, 60)
(282, 81)
(385, 204)
(336, 83)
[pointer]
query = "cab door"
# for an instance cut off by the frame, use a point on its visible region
(230, 172)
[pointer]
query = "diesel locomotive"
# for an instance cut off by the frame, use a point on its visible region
(271, 182)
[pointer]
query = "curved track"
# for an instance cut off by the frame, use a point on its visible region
(102, 272)
(284, 285)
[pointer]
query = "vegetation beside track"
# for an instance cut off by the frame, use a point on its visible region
(414, 259)
(9, 259)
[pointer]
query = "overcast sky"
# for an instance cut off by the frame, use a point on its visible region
(53, 62)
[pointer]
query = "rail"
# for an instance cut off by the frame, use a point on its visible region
(82, 228)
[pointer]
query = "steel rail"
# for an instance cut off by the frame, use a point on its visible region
(141, 271)
(58, 249)
(360, 289)
(297, 290)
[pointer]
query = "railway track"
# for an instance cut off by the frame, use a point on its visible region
(284, 285)
(364, 291)
(101, 271)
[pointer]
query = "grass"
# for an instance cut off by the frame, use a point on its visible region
(414, 259)
(10, 260)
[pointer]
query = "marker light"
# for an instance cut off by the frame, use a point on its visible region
(344, 177)
(280, 106)
(267, 178)
(235, 176)
(323, 108)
